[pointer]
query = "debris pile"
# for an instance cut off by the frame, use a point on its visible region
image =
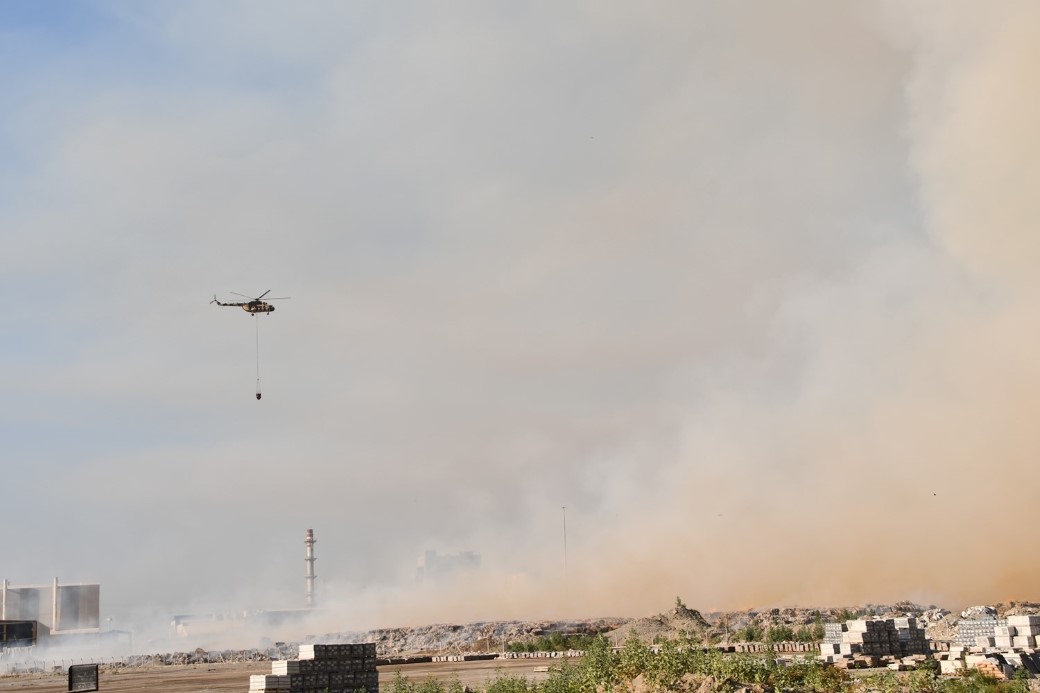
(487, 636)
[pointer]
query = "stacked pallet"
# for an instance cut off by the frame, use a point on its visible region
(322, 669)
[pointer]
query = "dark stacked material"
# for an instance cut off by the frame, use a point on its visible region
(324, 669)
(912, 639)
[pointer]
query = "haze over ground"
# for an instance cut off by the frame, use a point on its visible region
(749, 288)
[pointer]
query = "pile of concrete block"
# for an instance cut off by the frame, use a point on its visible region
(322, 669)
(870, 637)
(1019, 632)
(970, 630)
(996, 664)
(899, 637)
(912, 640)
(832, 632)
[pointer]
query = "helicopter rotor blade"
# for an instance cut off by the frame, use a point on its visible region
(277, 298)
(263, 294)
(242, 295)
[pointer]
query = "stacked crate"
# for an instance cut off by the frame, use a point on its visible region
(323, 669)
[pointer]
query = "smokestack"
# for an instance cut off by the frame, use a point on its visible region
(309, 560)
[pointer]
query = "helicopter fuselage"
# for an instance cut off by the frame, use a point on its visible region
(253, 305)
(258, 307)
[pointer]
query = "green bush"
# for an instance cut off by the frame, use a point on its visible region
(779, 634)
(813, 632)
(597, 667)
(564, 677)
(845, 615)
(556, 642)
(509, 683)
(752, 632)
(633, 660)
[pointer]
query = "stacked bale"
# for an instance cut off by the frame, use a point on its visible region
(323, 669)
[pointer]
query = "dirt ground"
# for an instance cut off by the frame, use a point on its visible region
(228, 678)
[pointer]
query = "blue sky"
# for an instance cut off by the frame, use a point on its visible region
(653, 267)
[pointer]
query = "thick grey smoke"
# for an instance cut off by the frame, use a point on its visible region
(744, 287)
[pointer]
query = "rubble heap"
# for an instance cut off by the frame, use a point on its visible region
(900, 637)
(322, 669)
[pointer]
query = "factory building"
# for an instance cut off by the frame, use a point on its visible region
(57, 607)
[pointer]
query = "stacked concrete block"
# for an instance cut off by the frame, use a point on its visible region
(900, 637)
(970, 629)
(259, 683)
(1027, 630)
(285, 667)
(912, 640)
(832, 632)
(1003, 635)
(339, 668)
(877, 638)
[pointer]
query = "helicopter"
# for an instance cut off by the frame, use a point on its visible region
(253, 305)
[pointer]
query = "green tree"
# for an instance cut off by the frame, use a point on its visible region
(597, 666)
(634, 658)
(508, 683)
(779, 634)
(845, 615)
(752, 632)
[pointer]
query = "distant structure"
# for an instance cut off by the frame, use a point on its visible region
(218, 626)
(72, 608)
(309, 573)
(434, 567)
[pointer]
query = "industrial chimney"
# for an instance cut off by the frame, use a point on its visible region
(309, 560)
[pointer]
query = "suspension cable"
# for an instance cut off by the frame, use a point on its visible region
(256, 322)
